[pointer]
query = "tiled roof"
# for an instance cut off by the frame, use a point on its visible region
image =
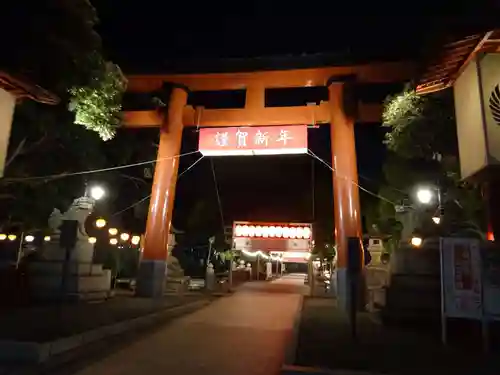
(441, 71)
(21, 88)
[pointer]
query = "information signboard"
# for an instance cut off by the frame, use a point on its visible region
(461, 278)
(470, 283)
(490, 261)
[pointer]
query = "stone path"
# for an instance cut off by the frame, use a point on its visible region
(243, 334)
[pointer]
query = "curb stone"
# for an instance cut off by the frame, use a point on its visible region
(34, 352)
(299, 370)
(291, 346)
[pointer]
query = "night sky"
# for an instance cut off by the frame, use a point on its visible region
(160, 36)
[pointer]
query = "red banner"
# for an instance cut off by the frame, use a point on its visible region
(255, 140)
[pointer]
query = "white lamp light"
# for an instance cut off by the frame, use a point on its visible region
(97, 192)
(424, 195)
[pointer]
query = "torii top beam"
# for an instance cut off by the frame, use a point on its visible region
(255, 112)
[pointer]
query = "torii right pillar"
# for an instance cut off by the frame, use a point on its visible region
(345, 183)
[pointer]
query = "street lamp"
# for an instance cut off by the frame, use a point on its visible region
(3, 237)
(92, 240)
(46, 238)
(12, 237)
(29, 238)
(124, 236)
(436, 219)
(113, 231)
(113, 241)
(97, 192)
(424, 195)
(100, 223)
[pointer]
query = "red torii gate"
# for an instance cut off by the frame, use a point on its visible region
(339, 111)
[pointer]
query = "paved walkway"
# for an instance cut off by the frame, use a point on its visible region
(243, 334)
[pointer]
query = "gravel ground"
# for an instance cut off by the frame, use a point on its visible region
(46, 323)
(325, 342)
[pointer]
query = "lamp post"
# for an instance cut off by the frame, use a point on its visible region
(19, 250)
(425, 195)
(209, 271)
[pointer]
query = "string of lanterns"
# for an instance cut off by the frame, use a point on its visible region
(99, 223)
(272, 231)
(28, 238)
(124, 237)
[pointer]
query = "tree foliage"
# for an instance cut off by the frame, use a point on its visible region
(423, 151)
(61, 51)
(52, 43)
(45, 142)
(97, 105)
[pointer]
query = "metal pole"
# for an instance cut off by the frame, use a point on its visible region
(313, 190)
(19, 250)
(444, 335)
(207, 262)
(230, 274)
(258, 266)
(353, 304)
(209, 253)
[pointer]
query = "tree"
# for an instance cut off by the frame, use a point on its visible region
(62, 52)
(57, 48)
(423, 150)
(52, 43)
(45, 142)
(97, 105)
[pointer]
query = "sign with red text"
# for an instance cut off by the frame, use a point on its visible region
(461, 280)
(255, 140)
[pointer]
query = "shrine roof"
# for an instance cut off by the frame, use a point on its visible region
(22, 88)
(441, 71)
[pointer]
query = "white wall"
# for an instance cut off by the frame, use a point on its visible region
(7, 105)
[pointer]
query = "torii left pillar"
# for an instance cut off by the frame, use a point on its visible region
(153, 267)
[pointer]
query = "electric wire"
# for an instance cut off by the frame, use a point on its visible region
(62, 175)
(148, 196)
(312, 154)
(361, 176)
(217, 192)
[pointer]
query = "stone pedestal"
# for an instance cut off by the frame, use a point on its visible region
(414, 288)
(210, 278)
(84, 280)
(175, 280)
